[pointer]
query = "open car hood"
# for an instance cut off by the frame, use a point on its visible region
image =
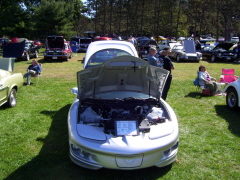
(55, 42)
(7, 64)
(225, 46)
(123, 73)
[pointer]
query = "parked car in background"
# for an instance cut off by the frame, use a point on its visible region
(57, 49)
(179, 53)
(181, 38)
(101, 51)
(163, 44)
(2, 40)
(221, 39)
(118, 119)
(222, 51)
(10, 82)
(233, 95)
(144, 46)
(160, 38)
(30, 51)
(83, 44)
(102, 39)
(138, 39)
(235, 39)
(37, 43)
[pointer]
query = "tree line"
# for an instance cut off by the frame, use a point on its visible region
(174, 18)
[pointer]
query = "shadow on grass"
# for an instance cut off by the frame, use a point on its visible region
(232, 117)
(195, 95)
(53, 160)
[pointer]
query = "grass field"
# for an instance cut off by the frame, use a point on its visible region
(34, 137)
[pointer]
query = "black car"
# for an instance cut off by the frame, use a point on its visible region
(222, 51)
(144, 46)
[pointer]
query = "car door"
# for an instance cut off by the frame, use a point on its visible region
(3, 92)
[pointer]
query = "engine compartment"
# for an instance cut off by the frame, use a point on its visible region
(104, 113)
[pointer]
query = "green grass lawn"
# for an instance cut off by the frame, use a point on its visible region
(34, 137)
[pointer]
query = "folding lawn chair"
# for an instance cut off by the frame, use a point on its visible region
(228, 76)
(38, 75)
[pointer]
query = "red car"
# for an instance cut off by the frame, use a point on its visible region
(57, 48)
(102, 39)
(37, 43)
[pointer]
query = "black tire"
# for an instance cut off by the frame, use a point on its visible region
(12, 99)
(27, 58)
(70, 56)
(213, 58)
(36, 54)
(178, 58)
(67, 59)
(232, 99)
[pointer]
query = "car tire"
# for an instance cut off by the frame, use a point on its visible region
(45, 59)
(70, 56)
(36, 54)
(27, 58)
(178, 58)
(213, 58)
(12, 99)
(232, 99)
(67, 59)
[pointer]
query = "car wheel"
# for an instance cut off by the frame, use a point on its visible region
(178, 58)
(36, 54)
(27, 58)
(45, 59)
(70, 56)
(67, 59)
(12, 99)
(213, 58)
(232, 99)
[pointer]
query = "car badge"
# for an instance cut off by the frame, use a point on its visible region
(128, 161)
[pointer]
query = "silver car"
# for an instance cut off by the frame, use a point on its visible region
(118, 119)
(178, 52)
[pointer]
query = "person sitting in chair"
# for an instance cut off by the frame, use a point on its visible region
(32, 70)
(207, 81)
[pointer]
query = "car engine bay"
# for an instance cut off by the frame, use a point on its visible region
(105, 112)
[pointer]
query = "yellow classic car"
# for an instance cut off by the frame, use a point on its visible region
(9, 82)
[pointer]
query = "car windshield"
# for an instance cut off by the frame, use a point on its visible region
(103, 55)
(85, 41)
(178, 48)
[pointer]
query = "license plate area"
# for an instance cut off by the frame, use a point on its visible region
(131, 161)
(54, 57)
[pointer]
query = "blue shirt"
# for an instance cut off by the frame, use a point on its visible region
(36, 68)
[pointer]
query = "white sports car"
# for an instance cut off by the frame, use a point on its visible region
(101, 51)
(118, 119)
(233, 95)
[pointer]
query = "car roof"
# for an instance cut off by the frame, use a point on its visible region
(114, 44)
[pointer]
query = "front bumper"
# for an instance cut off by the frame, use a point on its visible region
(123, 152)
(55, 57)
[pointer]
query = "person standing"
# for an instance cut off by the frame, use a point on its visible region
(152, 60)
(168, 65)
